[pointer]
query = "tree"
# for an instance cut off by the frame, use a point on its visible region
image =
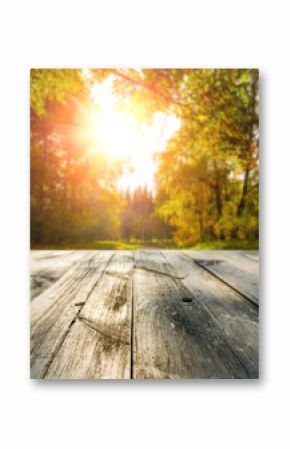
(73, 192)
(210, 166)
(138, 218)
(207, 177)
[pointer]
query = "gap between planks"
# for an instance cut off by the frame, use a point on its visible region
(169, 272)
(202, 265)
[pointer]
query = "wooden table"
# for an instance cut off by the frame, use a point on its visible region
(147, 314)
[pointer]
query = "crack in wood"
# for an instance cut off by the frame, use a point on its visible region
(132, 317)
(205, 265)
(91, 266)
(209, 262)
(219, 327)
(189, 316)
(117, 275)
(150, 270)
(108, 335)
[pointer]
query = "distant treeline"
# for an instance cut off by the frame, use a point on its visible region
(207, 177)
(139, 220)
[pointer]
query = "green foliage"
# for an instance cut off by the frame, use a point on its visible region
(53, 85)
(207, 177)
(138, 218)
(73, 191)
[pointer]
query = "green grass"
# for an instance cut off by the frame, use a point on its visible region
(165, 244)
(94, 244)
(224, 244)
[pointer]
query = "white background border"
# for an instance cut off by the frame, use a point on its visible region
(203, 414)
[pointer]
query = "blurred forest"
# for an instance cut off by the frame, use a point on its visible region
(207, 178)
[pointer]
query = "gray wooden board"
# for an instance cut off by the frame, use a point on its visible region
(56, 308)
(40, 254)
(176, 339)
(233, 314)
(46, 267)
(238, 269)
(142, 314)
(98, 344)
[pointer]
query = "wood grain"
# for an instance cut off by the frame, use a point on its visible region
(46, 267)
(172, 338)
(54, 310)
(98, 345)
(147, 314)
(235, 316)
(237, 269)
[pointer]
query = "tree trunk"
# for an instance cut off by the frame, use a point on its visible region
(217, 191)
(42, 185)
(251, 140)
(243, 200)
(201, 227)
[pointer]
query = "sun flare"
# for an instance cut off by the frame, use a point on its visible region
(121, 137)
(116, 134)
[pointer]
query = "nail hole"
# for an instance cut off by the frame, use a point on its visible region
(186, 299)
(79, 303)
(73, 322)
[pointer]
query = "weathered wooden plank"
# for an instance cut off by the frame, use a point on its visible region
(47, 267)
(98, 345)
(235, 268)
(232, 313)
(241, 256)
(55, 309)
(37, 254)
(173, 338)
(81, 325)
(252, 255)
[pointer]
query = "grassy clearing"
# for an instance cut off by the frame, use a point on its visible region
(222, 244)
(109, 245)
(165, 244)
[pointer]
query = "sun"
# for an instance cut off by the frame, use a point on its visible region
(121, 137)
(116, 134)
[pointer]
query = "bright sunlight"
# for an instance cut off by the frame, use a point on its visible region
(122, 137)
(160, 157)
